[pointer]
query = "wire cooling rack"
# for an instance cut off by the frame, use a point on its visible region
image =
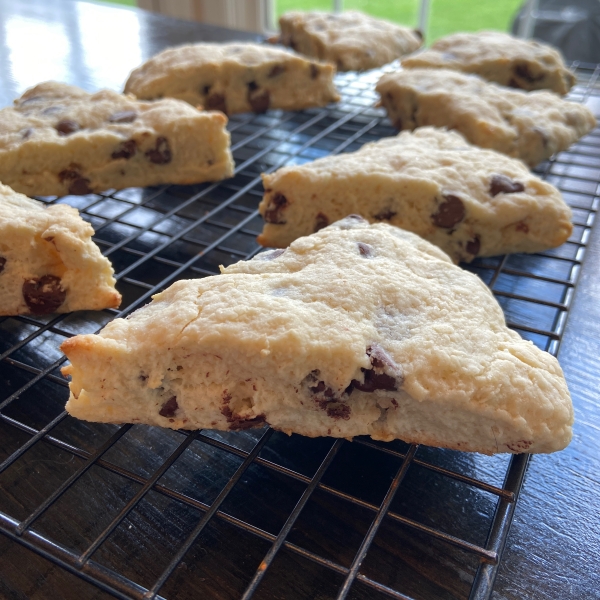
(142, 512)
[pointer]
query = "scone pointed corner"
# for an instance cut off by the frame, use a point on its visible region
(357, 329)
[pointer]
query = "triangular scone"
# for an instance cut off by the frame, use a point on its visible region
(352, 40)
(499, 57)
(357, 329)
(531, 126)
(48, 261)
(468, 201)
(58, 139)
(234, 78)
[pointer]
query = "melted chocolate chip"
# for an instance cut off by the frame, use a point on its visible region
(321, 221)
(161, 153)
(259, 100)
(501, 184)
(2, 263)
(365, 250)
(43, 295)
(473, 246)
(67, 127)
(216, 101)
(275, 207)
(252, 86)
(375, 381)
(513, 83)
(206, 89)
(276, 70)
(337, 410)
(385, 215)
(449, 213)
(169, 408)
(237, 423)
(522, 70)
(322, 389)
(125, 149)
(314, 71)
(123, 116)
(80, 187)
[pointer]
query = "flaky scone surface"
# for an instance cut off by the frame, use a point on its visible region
(527, 125)
(59, 139)
(498, 57)
(468, 201)
(48, 261)
(352, 40)
(235, 78)
(357, 329)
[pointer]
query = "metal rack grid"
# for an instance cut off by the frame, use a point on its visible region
(147, 513)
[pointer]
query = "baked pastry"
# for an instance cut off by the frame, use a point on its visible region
(468, 201)
(48, 261)
(498, 57)
(58, 139)
(235, 78)
(351, 40)
(531, 126)
(355, 330)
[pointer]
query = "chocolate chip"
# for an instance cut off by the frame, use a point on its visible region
(80, 187)
(26, 133)
(449, 213)
(252, 86)
(216, 101)
(321, 221)
(473, 246)
(275, 207)
(237, 423)
(321, 388)
(522, 70)
(67, 127)
(522, 227)
(398, 123)
(501, 184)
(169, 408)
(123, 116)
(385, 215)
(43, 295)
(375, 381)
(125, 149)
(418, 33)
(206, 89)
(314, 71)
(161, 153)
(259, 100)
(513, 83)
(276, 70)
(338, 410)
(365, 250)
(376, 378)
(350, 221)
(2, 263)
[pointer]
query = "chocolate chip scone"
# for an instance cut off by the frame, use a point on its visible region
(498, 57)
(350, 39)
(48, 261)
(531, 126)
(355, 330)
(235, 78)
(58, 139)
(467, 201)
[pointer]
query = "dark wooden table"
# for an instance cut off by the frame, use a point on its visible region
(554, 544)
